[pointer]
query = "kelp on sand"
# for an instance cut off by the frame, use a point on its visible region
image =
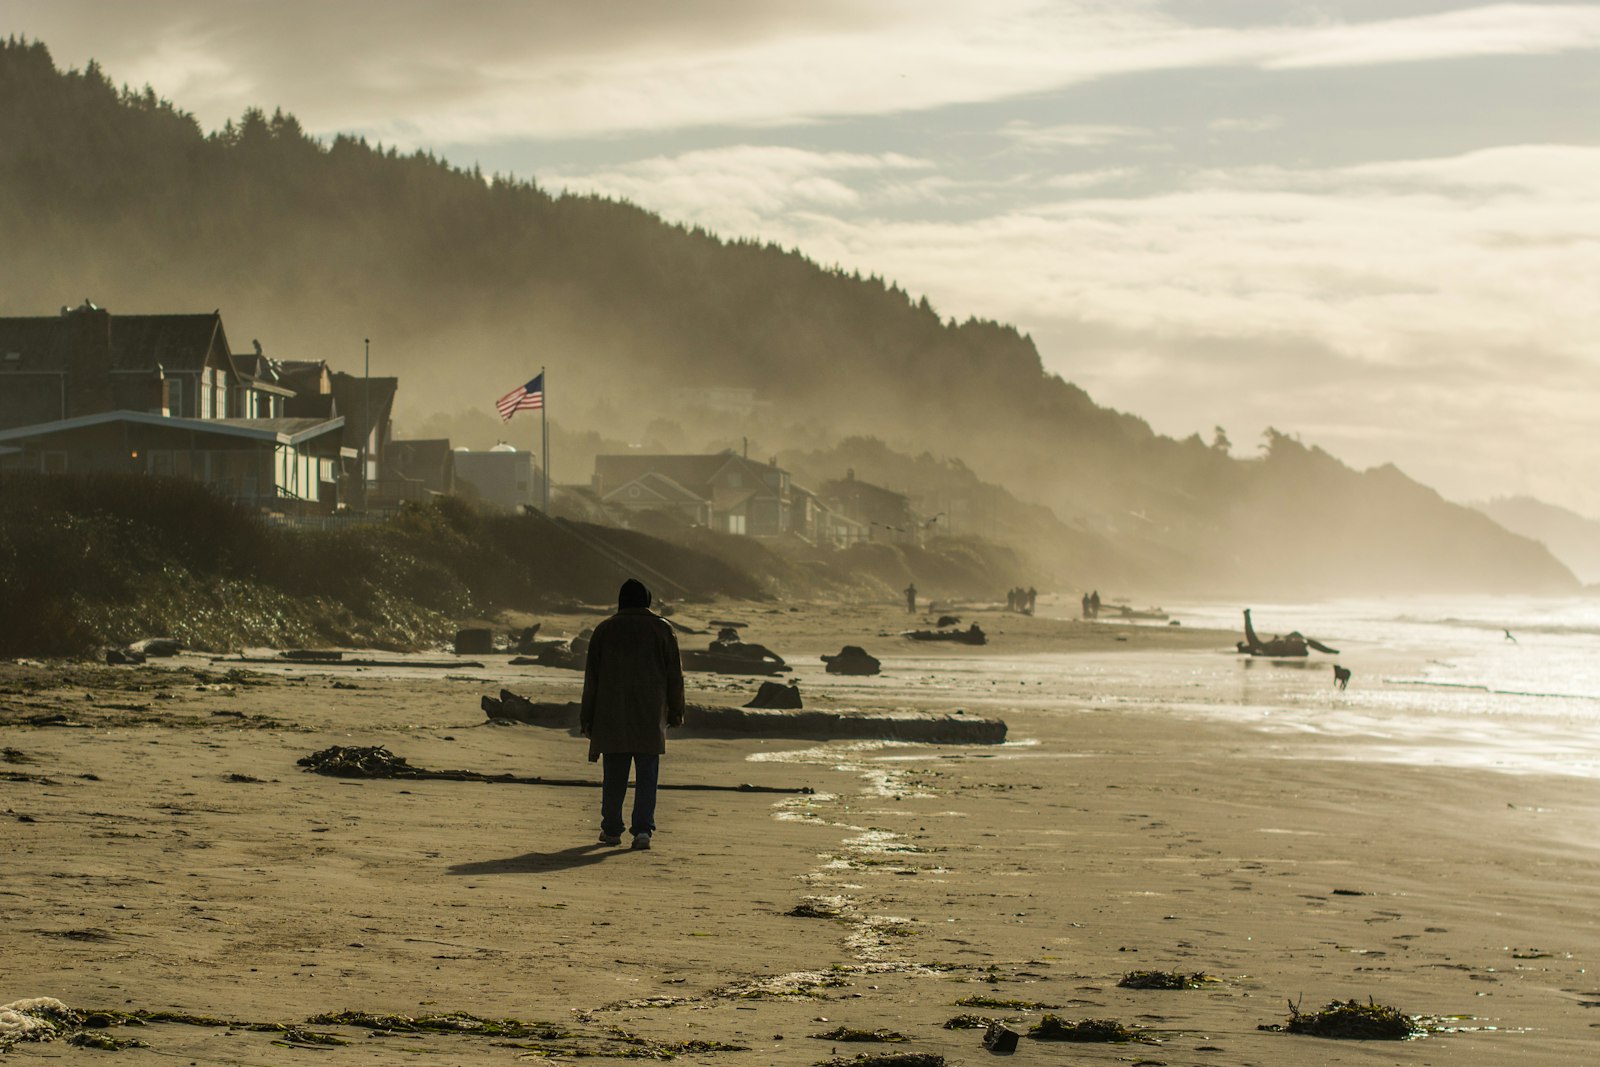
(1165, 980)
(1352, 1019)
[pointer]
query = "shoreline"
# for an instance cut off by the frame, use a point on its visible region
(200, 870)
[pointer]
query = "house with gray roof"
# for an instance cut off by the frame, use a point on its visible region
(722, 491)
(86, 390)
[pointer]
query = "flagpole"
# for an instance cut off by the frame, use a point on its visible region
(544, 433)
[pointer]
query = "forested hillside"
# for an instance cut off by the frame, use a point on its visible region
(467, 283)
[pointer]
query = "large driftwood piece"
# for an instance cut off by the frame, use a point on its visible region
(1293, 643)
(810, 725)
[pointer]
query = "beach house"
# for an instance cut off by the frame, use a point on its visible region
(86, 390)
(885, 514)
(722, 491)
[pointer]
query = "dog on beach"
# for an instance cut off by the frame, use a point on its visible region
(1341, 676)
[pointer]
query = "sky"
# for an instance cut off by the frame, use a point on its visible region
(1373, 224)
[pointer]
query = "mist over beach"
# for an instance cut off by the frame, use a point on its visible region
(812, 535)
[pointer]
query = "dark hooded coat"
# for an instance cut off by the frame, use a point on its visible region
(632, 684)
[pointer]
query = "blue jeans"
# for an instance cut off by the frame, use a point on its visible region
(614, 786)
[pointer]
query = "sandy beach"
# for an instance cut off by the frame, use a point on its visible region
(165, 853)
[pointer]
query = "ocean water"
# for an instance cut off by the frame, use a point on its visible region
(1435, 681)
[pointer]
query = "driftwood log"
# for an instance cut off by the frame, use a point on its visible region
(953, 728)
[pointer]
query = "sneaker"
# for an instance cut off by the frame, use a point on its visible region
(641, 841)
(610, 839)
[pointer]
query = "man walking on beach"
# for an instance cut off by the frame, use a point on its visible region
(632, 691)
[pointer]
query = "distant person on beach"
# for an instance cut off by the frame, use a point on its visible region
(632, 691)
(1094, 604)
(1086, 605)
(1011, 600)
(911, 598)
(1032, 596)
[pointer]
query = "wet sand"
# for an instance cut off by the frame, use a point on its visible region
(169, 855)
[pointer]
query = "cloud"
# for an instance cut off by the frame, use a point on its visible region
(506, 69)
(738, 189)
(1089, 179)
(1381, 262)
(1083, 135)
(1264, 124)
(1501, 29)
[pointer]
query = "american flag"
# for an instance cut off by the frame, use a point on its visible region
(529, 397)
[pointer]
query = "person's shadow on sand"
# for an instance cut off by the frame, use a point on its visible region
(540, 862)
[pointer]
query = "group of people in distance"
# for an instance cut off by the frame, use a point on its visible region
(1023, 600)
(1091, 605)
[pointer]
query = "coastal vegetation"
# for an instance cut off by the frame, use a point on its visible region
(95, 559)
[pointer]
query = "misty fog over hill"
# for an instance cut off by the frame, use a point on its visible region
(467, 284)
(1573, 538)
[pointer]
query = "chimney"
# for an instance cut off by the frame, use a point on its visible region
(86, 344)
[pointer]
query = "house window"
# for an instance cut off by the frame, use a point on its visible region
(172, 396)
(736, 524)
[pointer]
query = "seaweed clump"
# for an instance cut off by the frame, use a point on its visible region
(104, 1041)
(968, 1021)
(886, 1059)
(1163, 980)
(1352, 1019)
(1104, 1031)
(697, 1045)
(981, 1001)
(36, 1019)
(357, 761)
(44, 1019)
(455, 1022)
(812, 910)
(844, 1033)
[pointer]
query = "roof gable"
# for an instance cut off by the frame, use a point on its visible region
(693, 472)
(128, 342)
(699, 473)
(364, 403)
(176, 342)
(658, 486)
